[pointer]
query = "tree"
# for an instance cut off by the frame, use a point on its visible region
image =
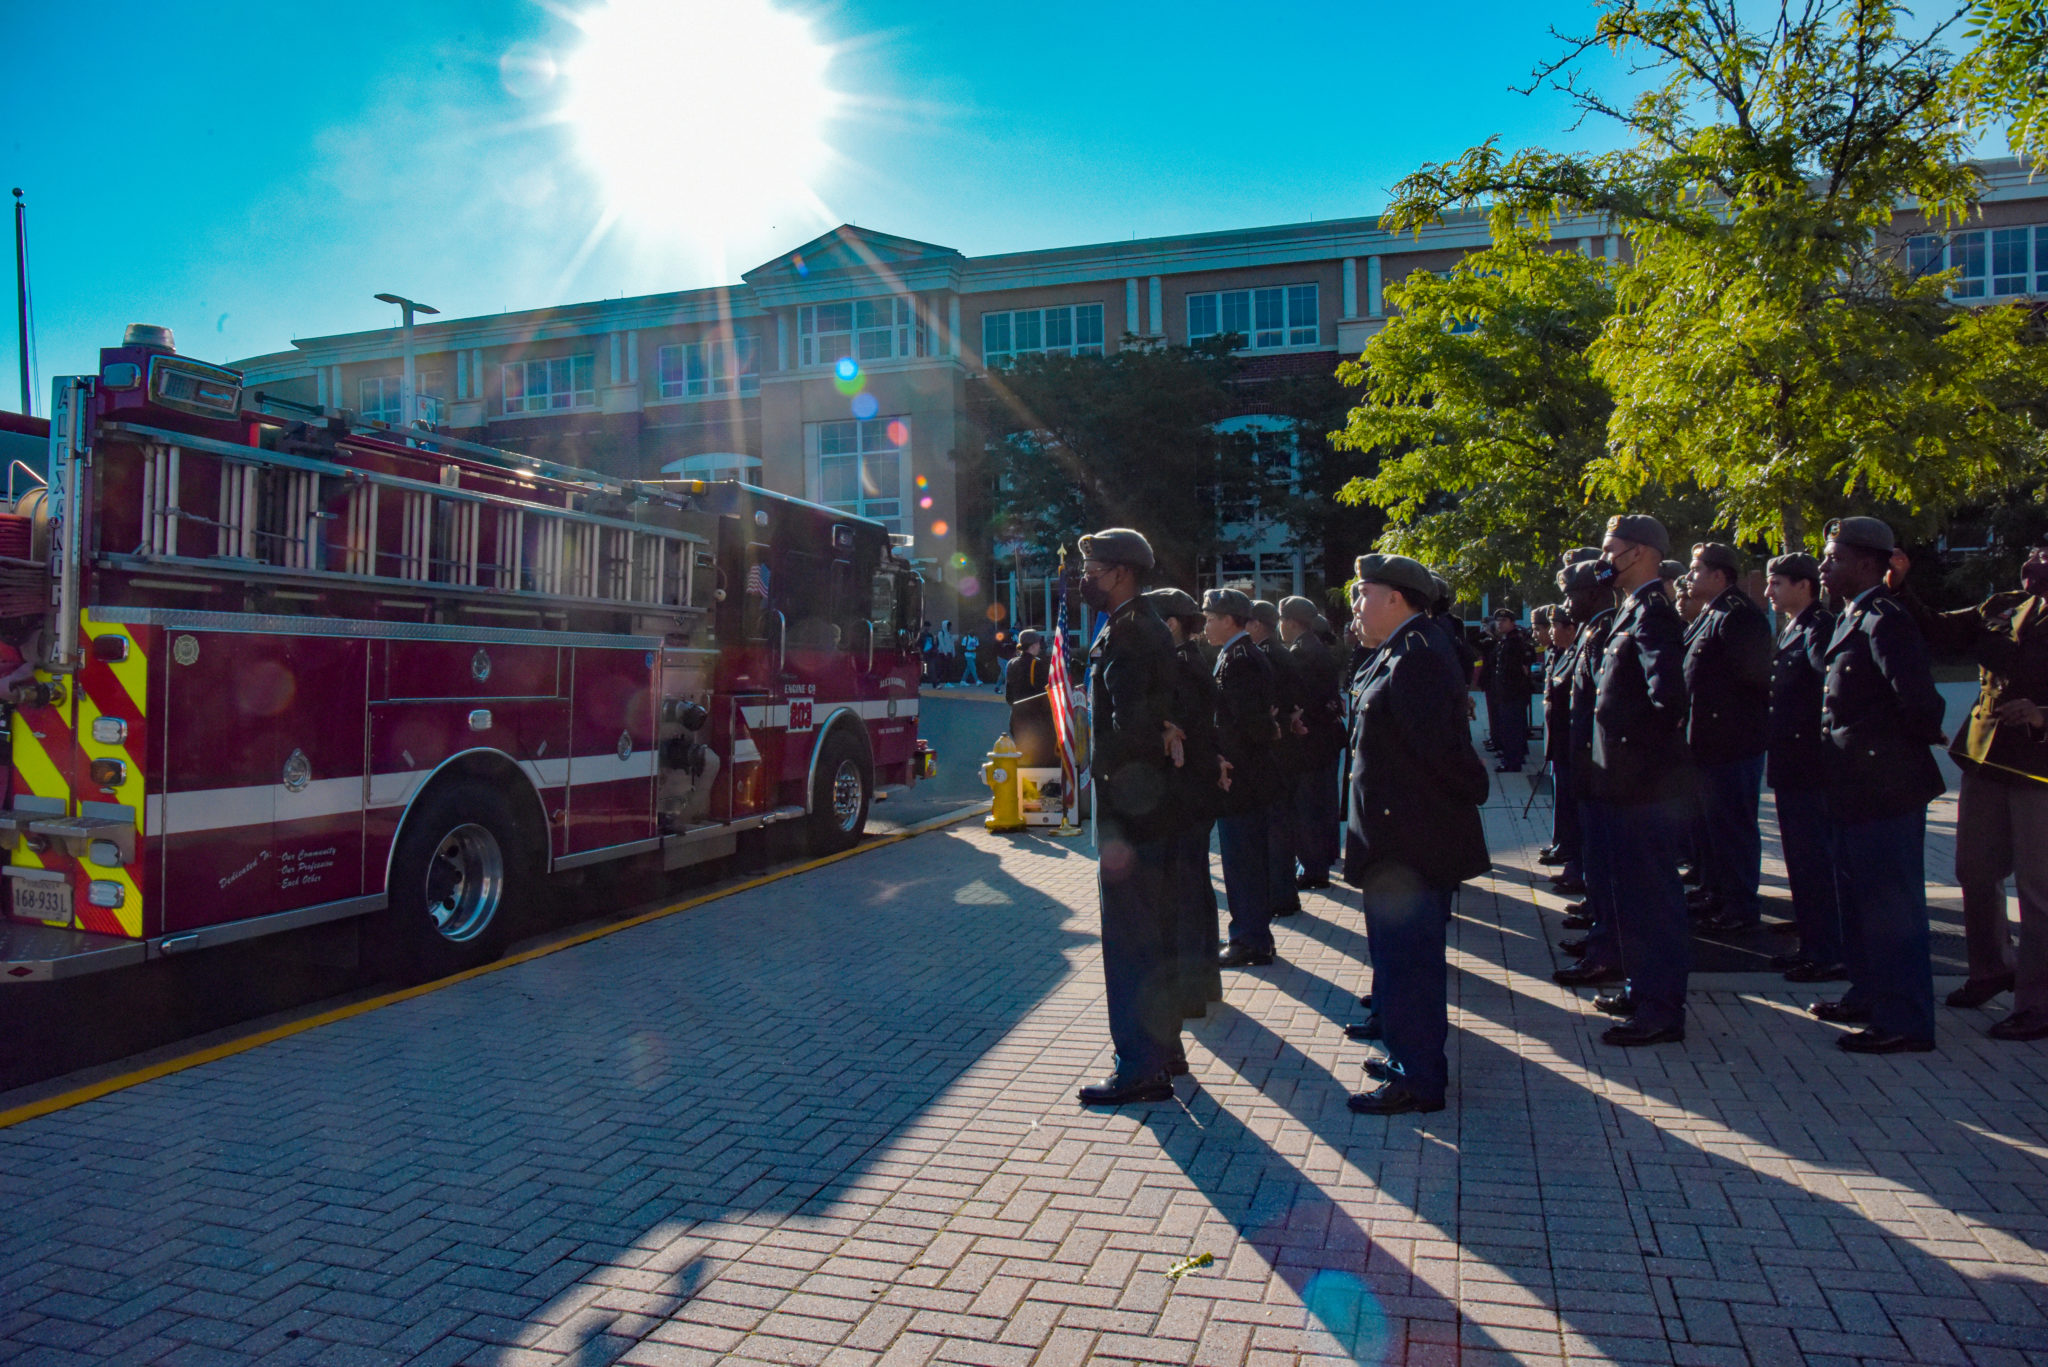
(1071, 444)
(2005, 76)
(1771, 342)
(1482, 407)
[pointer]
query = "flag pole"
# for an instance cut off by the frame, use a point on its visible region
(1070, 793)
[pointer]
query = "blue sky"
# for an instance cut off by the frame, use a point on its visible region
(249, 172)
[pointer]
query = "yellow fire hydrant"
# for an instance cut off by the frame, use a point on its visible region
(1006, 782)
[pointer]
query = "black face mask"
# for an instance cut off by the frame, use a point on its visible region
(2034, 578)
(1604, 570)
(1094, 595)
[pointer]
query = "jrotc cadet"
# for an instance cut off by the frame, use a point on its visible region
(1132, 669)
(1414, 832)
(1793, 767)
(1639, 773)
(1880, 713)
(1316, 806)
(1590, 599)
(1288, 707)
(1245, 736)
(2002, 811)
(1728, 688)
(1508, 689)
(1026, 673)
(1565, 842)
(1197, 794)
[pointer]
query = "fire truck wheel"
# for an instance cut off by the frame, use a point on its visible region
(454, 877)
(840, 794)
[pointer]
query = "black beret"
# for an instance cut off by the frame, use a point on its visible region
(1228, 602)
(1864, 533)
(1642, 529)
(1579, 577)
(1118, 546)
(1399, 571)
(1717, 556)
(1173, 602)
(1797, 565)
(1029, 637)
(1295, 608)
(1266, 612)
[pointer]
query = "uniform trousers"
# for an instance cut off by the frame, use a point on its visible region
(2001, 832)
(1199, 980)
(1135, 879)
(1596, 834)
(1805, 835)
(1317, 819)
(1881, 871)
(1247, 884)
(1649, 908)
(1731, 849)
(1405, 923)
(1282, 841)
(1510, 729)
(1564, 819)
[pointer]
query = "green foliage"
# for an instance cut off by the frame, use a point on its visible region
(1484, 435)
(1768, 344)
(2004, 78)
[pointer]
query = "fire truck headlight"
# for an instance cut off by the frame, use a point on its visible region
(105, 892)
(109, 773)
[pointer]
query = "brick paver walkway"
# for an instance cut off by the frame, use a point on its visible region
(831, 1121)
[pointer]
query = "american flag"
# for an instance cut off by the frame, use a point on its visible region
(1061, 696)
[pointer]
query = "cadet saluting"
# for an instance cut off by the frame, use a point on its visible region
(1130, 701)
(1414, 832)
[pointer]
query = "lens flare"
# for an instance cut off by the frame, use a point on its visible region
(922, 481)
(865, 406)
(899, 435)
(970, 587)
(925, 502)
(940, 528)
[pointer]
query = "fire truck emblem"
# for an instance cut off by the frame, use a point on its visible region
(625, 745)
(298, 772)
(185, 650)
(480, 665)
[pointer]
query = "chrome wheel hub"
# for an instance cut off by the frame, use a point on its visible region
(465, 882)
(846, 795)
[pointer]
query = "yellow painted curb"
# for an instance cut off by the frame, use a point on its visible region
(92, 1091)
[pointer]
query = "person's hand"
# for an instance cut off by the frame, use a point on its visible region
(1299, 727)
(1175, 739)
(1895, 573)
(1471, 707)
(2022, 711)
(1223, 768)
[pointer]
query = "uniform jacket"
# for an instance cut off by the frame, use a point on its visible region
(1453, 630)
(1130, 698)
(1639, 710)
(1557, 704)
(1588, 650)
(1880, 712)
(1196, 798)
(2006, 637)
(1245, 730)
(1509, 660)
(1287, 695)
(1025, 676)
(1416, 782)
(1322, 710)
(1795, 756)
(1728, 680)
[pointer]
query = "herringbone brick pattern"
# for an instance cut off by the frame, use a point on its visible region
(831, 1121)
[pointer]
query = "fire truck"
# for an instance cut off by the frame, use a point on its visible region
(266, 665)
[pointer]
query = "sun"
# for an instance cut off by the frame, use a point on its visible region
(699, 117)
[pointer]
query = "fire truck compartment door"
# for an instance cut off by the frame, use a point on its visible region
(411, 741)
(611, 769)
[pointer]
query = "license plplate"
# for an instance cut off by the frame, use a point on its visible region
(42, 899)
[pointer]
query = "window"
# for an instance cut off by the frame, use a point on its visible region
(381, 398)
(865, 329)
(1069, 329)
(559, 382)
(700, 370)
(860, 468)
(1989, 263)
(1281, 316)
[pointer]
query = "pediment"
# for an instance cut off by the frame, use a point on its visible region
(850, 253)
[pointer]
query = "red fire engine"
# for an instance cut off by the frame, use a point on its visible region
(274, 666)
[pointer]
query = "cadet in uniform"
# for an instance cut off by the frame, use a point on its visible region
(1793, 767)
(1130, 698)
(1639, 773)
(1509, 659)
(1316, 804)
(1025, 675)
(1728, 684)
(1245, 735)
(2002, 813)
(1281, 838)
(1564, 848)
(1414, 831)
(1880, 713)
(1197, 796)
(1590, 599)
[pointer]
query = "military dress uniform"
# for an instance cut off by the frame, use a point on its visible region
(1880, 713)
(1728, 685)
(1413, 832)
(1246, 736)
(1026, 675)
(1316, 802)
(1282, 840)
(1639, 774)
(1509, 660)
(1601, 962)
(1132, 667)
(1557, 754)
(1196, 800)
(2002, 811)
(1793, 765)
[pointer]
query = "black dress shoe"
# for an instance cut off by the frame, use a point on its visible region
(1309, 882)
(1576, 922)
(1391, 1098)
(1977, 991)
(1237, 956)
(1698, 898)
(1689, 875)
(1366, 1001)
(1878, 1042)
(1575, 948)
(1294, 910)
(1379, 1070)
(1549, 855)
(1785, 963)
(1728, 923)
(1629, 1034)
(1567, 887)
(1839, 1012)
(1817, 973)
(2020, 1025)
(1118, 1090)
(1178, 1068)
(1367, 1029)
(1615, 1004)
(1587, 975)
(1577, 909)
